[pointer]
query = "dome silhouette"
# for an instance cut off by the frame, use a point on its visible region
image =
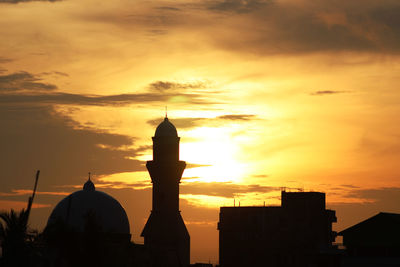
(166, 128)
(74, 209)
(89, 185)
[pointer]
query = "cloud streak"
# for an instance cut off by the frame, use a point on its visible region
(98, 100)
(185, 123)
(223, 189)
(298, 27)
(326, 92)
(23, 81)
(5, 60)
(24, 1)
(380, 195)
(237, 117)
(23, 192)
(162, 86)
(278, 27)
(26, 88)
(237, 6)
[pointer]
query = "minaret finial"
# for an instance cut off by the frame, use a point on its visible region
(89, 185)
(166, 112)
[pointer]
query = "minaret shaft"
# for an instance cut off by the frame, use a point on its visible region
(165, 233)
(165, 177)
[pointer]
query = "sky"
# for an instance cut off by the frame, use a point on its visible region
(266, 95)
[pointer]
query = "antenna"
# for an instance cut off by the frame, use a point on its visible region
(166, 112)
(89, 176)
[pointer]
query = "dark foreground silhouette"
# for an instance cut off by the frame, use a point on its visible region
(91, 228)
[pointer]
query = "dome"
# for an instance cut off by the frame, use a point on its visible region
(74, 209)
(89, 186)
(166, 128)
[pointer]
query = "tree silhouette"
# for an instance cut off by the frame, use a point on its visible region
(14, 238)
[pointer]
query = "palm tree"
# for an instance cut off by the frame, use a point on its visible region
(13, 237)
(16, 242)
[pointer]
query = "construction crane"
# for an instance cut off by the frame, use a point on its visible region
(30, 200)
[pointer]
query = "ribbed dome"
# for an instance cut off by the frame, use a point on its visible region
(73, 211)
(166, 128)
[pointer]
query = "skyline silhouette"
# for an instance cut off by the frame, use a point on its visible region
(190, 209)
(265, 94)
(88, 222)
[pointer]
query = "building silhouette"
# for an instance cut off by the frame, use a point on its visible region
(297, 233)
(88, 228)
(74, 210)
(373, 242)
(165, 234)
(91, 228)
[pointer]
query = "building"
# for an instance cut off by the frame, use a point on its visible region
(165, 234)
(297, 233)
(75, 211)
(373, 242)
(91, 228)
(88, 228)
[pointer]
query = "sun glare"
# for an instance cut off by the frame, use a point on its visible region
(217, 154)
(207, 201)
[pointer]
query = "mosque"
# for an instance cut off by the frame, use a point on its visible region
(91, 228)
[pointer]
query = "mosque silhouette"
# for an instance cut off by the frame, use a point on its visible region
(166, 239)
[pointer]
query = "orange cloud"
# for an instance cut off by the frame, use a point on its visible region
(18, 205)
(21, 192)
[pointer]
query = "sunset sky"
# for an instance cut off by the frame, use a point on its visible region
(264, 94)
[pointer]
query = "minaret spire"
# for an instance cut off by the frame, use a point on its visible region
(89, 185)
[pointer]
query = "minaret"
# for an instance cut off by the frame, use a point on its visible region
(165, 233)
